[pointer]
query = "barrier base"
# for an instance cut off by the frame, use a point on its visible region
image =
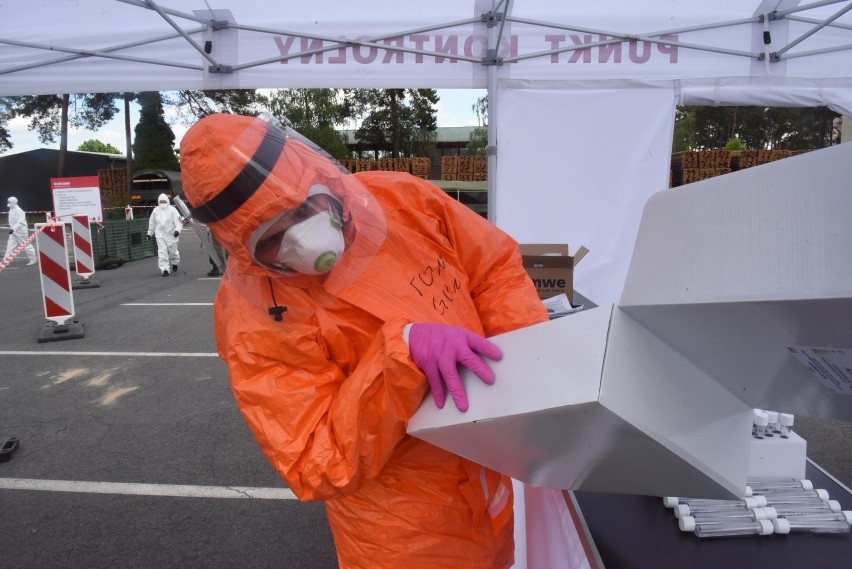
(53, 332)
(81, 282)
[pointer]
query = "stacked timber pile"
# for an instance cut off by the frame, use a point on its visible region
(693, 166)
(449, 167)
(749, 158)
(480, 168)
(421, 167)
(359, 165)
(113, 185)
(416, 166)
(464, 168)
(465, 171)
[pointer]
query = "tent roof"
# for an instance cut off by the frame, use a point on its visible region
(133, 45)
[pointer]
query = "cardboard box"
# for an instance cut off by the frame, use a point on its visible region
(551, 268)
(739, 295)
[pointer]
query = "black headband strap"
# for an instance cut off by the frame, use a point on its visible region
(246, 183)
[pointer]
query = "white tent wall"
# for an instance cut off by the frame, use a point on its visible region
(578, 159)
(577, 165)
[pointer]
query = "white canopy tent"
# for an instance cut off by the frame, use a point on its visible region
(581, 93)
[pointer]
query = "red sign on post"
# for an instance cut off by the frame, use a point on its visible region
(80, 195)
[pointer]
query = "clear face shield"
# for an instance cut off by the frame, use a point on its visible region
(291, 207)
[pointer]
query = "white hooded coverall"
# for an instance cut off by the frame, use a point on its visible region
(164, 222)
(18, 233)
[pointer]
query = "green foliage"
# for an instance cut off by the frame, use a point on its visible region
(701, 128)
(85, 110)
(153, 145)
(480, 109)
(194, 104)
(684, 130)
(478, 142)
(400, 122)
(736, 144)
(94, 145)
(5, 115)
(479, 137)
(316, 114)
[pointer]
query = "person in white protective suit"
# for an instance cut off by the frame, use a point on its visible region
(18, 232)
(165, 226)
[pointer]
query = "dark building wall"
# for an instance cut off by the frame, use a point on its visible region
(27, 175)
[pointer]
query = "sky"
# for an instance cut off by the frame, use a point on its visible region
(454, 109)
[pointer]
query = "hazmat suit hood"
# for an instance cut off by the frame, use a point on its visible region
(240, 173)
(11, 202)
(163, 198)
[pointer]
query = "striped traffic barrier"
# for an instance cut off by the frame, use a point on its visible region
(56, 284)
(84, 264)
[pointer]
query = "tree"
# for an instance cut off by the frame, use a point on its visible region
(699, 128)
(5, 115)
(479, 137)
(684, 129)
(736, 144)
(128, 145)
(153, 145)
(315, 113)
(93, 145)
(194, 104)
(50, 115)
(401, 122)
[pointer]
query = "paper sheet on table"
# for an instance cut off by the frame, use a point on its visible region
(559, 305)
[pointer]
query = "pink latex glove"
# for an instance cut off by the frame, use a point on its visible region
(437, 349)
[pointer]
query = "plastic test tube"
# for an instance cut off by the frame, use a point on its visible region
(810, 508)
(727, 516)
(763, 485)
(757, 502)
(787, 525)
(759, 527)
(786, 421)
(761, 420)
(692, 507)
(672, 501)
(774, 427)
(826, 516)
(796, 496)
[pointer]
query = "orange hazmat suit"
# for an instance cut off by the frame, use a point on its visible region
(328, 389)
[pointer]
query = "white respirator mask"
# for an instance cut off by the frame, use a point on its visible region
(312, 246)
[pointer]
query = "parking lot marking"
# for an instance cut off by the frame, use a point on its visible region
(121, 354)
(131, 489)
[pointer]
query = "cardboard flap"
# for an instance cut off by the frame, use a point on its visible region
(538, 249)
(578, 256)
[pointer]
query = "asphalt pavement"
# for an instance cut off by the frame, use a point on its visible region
(132, 450)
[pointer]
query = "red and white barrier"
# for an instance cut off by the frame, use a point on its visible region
(81, 231)
(55, 274)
